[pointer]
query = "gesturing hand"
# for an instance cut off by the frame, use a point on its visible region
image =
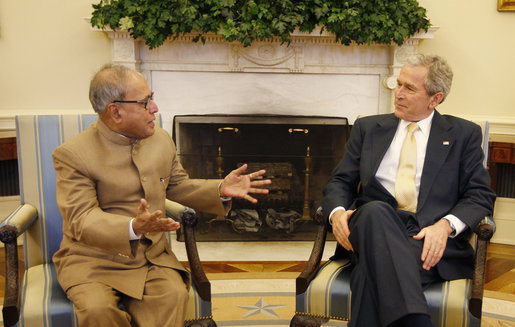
(237, 185)
(145, 221)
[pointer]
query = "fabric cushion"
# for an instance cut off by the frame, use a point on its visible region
(328, 296)
(42, 300)
(197, 308)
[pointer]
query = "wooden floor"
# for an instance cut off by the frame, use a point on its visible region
(500, 268)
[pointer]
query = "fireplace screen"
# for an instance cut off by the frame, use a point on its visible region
(297, 152)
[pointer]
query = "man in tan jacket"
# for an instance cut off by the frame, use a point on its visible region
(112, 182)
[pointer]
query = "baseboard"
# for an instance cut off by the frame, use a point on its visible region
(505, 221)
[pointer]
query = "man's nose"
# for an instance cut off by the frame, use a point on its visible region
(152, 107)
(399, 92)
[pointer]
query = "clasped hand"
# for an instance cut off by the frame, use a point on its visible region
(341, 231)
(435, 240)
(435, 237)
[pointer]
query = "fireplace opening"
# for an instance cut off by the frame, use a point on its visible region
(297, 152)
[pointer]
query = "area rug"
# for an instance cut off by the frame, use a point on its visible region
(253, 302)
(268, 299)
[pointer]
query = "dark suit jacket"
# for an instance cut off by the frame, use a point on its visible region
(454, 180)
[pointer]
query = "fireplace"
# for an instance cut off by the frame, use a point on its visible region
(311, 79)
(298, 153)
(313, 75)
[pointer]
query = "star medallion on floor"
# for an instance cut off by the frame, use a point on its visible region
(261, 307)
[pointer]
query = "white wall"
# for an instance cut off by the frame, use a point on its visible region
(48, 53)
(479, 43)
(41, 42)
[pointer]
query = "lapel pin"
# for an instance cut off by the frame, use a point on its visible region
(445, 142)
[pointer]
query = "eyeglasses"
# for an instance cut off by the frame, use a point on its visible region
(146, 101)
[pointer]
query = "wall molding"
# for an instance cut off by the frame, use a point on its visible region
(499, 125)
(7, 122)
(8, 119)
(7, 126)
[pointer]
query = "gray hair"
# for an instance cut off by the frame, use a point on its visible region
(439, 77)
(108, 84)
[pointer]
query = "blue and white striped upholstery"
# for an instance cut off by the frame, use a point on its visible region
(42, 302)
(198, 308)
(328, 295)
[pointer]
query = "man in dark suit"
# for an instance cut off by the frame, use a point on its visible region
(402, 234)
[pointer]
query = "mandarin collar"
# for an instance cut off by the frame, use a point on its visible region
(113, 136)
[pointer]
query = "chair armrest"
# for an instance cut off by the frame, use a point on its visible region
(21, 218)
(188, 219)
(307, 275)
(175, 210)
(484, 231)
(13, 226)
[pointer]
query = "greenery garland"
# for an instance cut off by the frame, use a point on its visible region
(359, 21)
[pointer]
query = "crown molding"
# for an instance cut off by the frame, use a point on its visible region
(499, 125)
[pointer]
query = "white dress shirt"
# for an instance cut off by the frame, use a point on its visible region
(387, 172)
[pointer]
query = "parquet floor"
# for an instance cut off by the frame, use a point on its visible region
(500, 268)
(499, 280)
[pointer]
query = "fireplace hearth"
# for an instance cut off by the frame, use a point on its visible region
(297, 152)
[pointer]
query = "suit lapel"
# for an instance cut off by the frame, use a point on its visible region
(382, 138)
(440, 142)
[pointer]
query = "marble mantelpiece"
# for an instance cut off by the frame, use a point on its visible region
(313, 75)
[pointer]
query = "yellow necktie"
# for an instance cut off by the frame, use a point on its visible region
(405, 189)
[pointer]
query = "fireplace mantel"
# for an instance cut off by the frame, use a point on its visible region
(134, 53)
(313, 75)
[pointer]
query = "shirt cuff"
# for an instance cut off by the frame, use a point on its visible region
(223, 198)
(132, 235)
(332, 213)
(456, 224)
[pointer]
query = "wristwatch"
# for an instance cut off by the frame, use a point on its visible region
(453, 228)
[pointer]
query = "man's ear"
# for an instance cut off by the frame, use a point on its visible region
(112, 110)
(436, 99)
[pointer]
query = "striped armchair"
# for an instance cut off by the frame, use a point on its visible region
(323, 293)
(39, 300)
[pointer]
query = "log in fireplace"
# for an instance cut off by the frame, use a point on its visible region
(298, 153)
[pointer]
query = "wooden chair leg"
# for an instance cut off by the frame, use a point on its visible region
(307, 321)
(200, 323)
(10, 310)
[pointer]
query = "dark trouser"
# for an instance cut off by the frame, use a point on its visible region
(387, 281)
